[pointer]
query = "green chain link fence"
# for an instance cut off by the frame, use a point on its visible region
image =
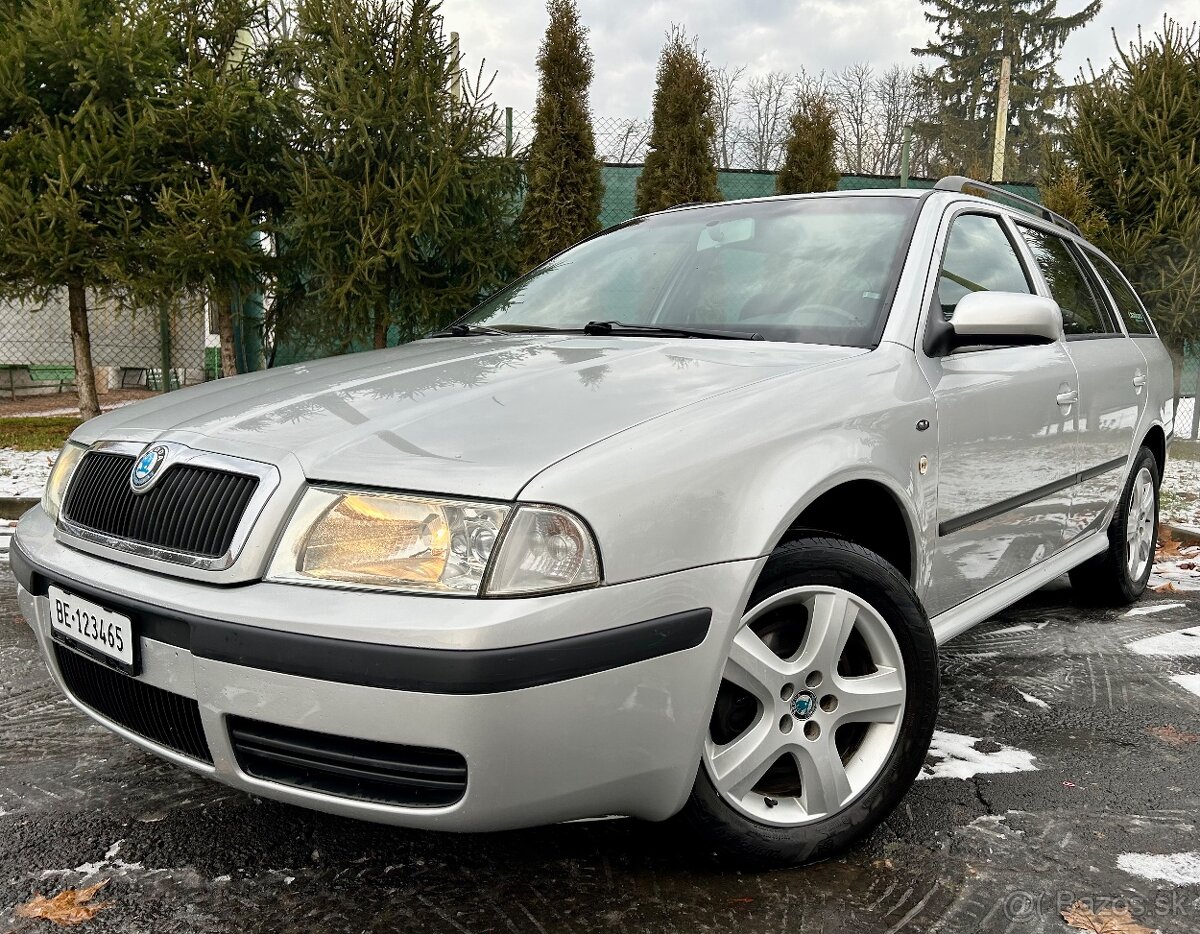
(1187, 415)
(621, 146)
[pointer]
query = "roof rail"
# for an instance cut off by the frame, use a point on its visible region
(962, 183)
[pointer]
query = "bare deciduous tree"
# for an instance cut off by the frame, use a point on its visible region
(896, 93)
(751, 116)
(627, 143)
(769, 102)
(810, 87)
(853, 95)
(872, 112)
(726, 97)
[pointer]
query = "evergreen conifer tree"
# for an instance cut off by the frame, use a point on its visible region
(961, 88)
(808, 162)
(679, 166)
(223, 128)
(1134, 141)
(402, 202)
(79, 88)
(564, 189)
(1063, 191)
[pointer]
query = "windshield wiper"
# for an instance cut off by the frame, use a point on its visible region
(618, 328)
(467, 330)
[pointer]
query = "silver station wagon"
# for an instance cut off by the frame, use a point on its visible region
(671, 527)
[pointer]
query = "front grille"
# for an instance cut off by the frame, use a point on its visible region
(195, 510)
(384, 773)
(162, 717)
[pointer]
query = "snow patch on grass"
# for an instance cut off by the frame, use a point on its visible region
(24, 473)
(960, 759)
(1175, 575)
(1180, 496)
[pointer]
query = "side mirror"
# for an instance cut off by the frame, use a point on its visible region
(1000, 318)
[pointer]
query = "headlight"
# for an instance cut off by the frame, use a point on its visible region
(398, 542)
(60, 475)
(388, 540)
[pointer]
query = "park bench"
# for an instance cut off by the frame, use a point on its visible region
(40, 373)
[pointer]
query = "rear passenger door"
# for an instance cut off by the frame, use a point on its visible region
(1155, 383)
(1111, 373)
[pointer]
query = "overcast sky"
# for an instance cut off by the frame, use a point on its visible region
(626, 36)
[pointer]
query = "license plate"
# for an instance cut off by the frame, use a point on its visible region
(91, 625)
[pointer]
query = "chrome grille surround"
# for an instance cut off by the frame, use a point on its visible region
(86, 539)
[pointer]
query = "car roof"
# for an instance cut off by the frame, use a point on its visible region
(946, 196)
(849, 193)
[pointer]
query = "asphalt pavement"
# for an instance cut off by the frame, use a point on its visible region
(1065, 770)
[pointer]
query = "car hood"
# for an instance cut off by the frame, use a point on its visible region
(476, 416)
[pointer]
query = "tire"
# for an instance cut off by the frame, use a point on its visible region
(1119, 575)
(804, 584)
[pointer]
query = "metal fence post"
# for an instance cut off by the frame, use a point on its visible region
(1190, 361)
(164, 344)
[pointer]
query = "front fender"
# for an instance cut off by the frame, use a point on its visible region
(724, 480)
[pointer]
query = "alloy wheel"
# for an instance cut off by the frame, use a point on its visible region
(810, 706)
(1140, 531)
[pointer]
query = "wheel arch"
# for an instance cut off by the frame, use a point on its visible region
(867, 508)
(1156, 440)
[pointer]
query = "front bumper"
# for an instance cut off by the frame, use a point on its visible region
(563, 707)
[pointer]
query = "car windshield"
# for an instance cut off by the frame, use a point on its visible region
(807, 270)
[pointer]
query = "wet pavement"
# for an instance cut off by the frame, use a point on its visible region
(1066, 768)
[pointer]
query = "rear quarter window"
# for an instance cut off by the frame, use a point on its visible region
(1126, 300)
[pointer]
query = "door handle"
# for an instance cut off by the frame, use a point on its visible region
(1069, 397)
(1139, 381)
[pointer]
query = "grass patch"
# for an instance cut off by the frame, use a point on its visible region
(37, 433)
(1169, 501)
(1184, 450)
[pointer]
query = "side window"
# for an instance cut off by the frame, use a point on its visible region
(1081, 312)
(1127, 302)
(979, 258)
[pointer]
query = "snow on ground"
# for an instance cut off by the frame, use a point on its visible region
(1176, 644)
(1176, 569)
(70, 410)
(1188, 683)
(1036, 701)
(24, 473)
(1153, 608)
(1181, 488)
(1176, 868)
(960, 756)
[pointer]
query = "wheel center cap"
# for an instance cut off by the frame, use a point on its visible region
(803, 703)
